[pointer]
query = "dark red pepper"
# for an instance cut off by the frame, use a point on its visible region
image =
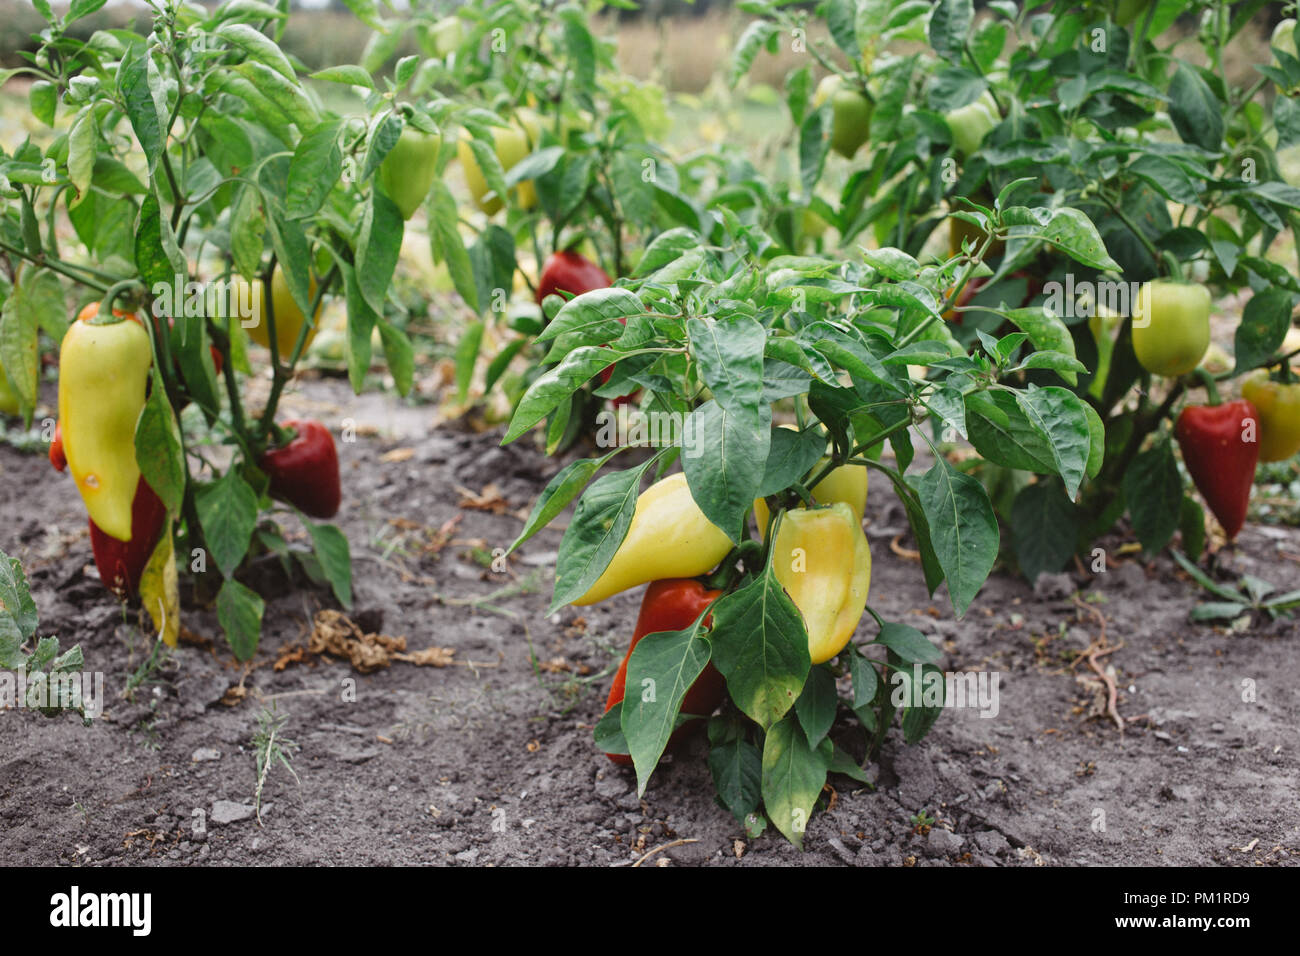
(1219, 458)
(121, 563)
(569, 272)
(305, 472)
(672, 604)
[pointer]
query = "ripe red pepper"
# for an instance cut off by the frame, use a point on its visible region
(569, 272)
(672, 604)
(305, 472)
(1220, 461)
(121, 563)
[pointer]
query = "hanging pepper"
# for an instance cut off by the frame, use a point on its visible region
(847, 484)
(673, 604)
(1220, 454)
(567, 271)
(305, 472)
(103, 382)
(1171, 326)
(669, 538)
(574, 274)
(1278, 404)
(821, 558)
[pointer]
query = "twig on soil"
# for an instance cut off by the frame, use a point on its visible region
(906, 553)
(1096, 649)
(665, 846)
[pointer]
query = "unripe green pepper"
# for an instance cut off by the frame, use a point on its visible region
(408, 171)
(1171, 326)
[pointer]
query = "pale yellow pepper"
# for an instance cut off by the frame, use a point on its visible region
(822, 559)
(669, 538)
(103, 375)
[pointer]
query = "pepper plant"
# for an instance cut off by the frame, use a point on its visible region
(1175, 164)
(720, 341)
(215, 200)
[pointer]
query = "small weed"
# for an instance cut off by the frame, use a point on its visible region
(271, 747)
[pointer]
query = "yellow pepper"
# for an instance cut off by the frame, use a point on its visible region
(288, 317)
(847, 483)
(512, 143)
(669, 538)
(103, 374)
(1278, 405)
(821, 558)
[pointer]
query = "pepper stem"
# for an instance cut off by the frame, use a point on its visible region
(1211, 386)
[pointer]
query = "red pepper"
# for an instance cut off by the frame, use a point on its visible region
(569, 272)
(57, 458)
(121, 563)
(1220, 462)
(672, 604)
(305, 472)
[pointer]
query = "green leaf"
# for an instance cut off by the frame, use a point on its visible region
(239, 611)
(158, 448)
(315, 169)
(16, 597)
(1153, 491)
(736, 765)
(257, 46)
(761, 647)
(729, 353)
(1059, 417)
(599, 525)
(816, 706)
(865, 679)
(590, 319)
(227, 511)
(348, 74)
(378, 248)
(1048, 333)
(554, 386)
(400, 355)
(466, 357)
(1044, 528)
(1191, 524)
(1263, 327)
(557, 494)
(37, 296)
(448, 246)
(794, 773)
(923, 700)
(792, 455)
(140, 87)
(907, 643)
(335, 557)
(660, 671)
(608, 732)
(963, 530)
(1196, 112)
(724, 454)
